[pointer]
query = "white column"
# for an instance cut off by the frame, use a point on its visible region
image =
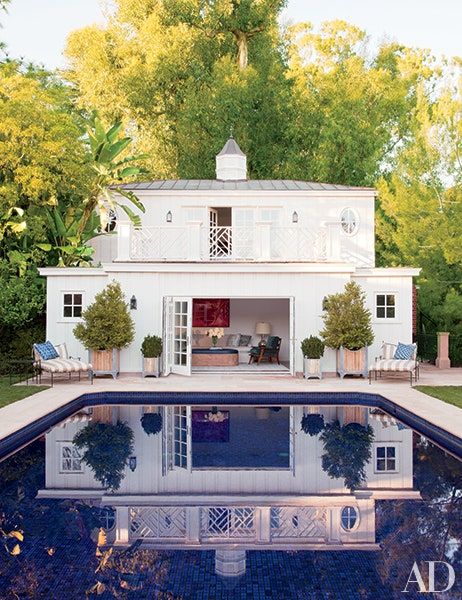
(122, 526)
(194, 240)
(333, 525)
(193, 521)
(263, 241)
(262, 518)
(123, 241)
(230, 563)
(333, 241)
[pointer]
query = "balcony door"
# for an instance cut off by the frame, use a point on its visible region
(177, 335)
(176, 438)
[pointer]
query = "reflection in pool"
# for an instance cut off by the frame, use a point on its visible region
(228, 502)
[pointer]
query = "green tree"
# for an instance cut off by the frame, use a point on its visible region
(106, 323)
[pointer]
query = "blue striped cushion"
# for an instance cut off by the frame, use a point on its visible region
(46, 350)
(404, 351)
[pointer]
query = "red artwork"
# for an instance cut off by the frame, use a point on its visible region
(209, 312)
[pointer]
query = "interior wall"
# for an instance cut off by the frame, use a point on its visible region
(246, 312)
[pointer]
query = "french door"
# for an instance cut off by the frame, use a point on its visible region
(243, 233)
(177, 335)
(176, 438)
(292, 434)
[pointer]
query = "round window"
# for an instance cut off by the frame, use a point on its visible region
(349, 221)
(349, 517)
(107, 518)
(111, 221)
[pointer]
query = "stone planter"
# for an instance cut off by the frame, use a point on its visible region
(312, 368)
(105, 362)
(352, 362)
(151, 367)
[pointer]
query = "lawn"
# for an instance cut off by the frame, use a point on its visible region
(11, 393)
(452, 394)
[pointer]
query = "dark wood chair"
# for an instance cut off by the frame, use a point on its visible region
(271, 350)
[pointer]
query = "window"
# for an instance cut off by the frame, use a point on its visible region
(111, 221)
(349, 518)
(270, 215)
(72, 304)
(386, 460)
(349, 221)
(70, 459)
(385, 306)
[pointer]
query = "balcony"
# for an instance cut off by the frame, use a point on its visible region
(195, 242)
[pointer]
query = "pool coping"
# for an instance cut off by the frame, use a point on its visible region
(28, 433)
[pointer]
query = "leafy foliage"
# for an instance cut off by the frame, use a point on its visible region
(312, 424)
(22, 299)
(106, 324)
(151, 346)
(347, 321)
(312, 347)
(152, 423)
(347, 450)
(106, 450)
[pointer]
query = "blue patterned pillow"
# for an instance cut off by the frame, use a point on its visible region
(47, 351)
(404, 351)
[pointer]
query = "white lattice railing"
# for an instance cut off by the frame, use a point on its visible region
(226, 522)
(230, 524)
(301, 522)
(157, 522)
(195, 242)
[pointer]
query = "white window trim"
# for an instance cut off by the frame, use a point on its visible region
(385, 319)
(61, 445)
(358, 519)
(64, 319)
(394, 445)
(358, 222)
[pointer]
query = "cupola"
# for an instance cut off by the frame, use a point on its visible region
(231, 162)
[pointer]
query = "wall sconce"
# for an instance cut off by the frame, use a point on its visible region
(133, 303)
(295, 217)
(132, 463)
(169, 217)
(325, 303)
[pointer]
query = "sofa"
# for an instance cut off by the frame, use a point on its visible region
(242, 342)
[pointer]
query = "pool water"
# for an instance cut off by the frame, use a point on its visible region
(296, 502)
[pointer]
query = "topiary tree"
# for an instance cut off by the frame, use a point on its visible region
(347, 450)
(106, 324)
(312, 424)
(347, 321)
(151, 346)
(106, 450)
(312, 347)
(152, 423)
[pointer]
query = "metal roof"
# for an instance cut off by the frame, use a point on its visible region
(267, 185)
(231, 147)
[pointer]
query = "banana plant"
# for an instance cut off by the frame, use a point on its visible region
(111, 168)
(65, 240)
(12, 220)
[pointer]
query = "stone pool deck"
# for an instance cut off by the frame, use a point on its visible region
(397, 389)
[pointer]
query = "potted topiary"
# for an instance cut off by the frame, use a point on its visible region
(106, 450)
(151, 422)
(106, 327)
(347, 450)
(151, 349)
(312, 424)
(313, 349)
(347, 329)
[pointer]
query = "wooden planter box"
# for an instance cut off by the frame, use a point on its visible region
(352, 362)
(151, 367)
(312, 368)
(105, 362)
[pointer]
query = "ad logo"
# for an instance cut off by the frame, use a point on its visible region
(448, 577)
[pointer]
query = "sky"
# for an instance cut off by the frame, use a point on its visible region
(37, 29)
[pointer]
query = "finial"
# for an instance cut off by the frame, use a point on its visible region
(231, 132)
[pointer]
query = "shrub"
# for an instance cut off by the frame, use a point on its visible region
(312, 424)
(106, 324)
(312, 347)
(22, 299)
(106, 450)
(151, 346)
(347, 450)
(347, 321)
(152, 423)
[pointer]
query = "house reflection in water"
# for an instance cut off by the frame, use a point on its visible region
(235, 478)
